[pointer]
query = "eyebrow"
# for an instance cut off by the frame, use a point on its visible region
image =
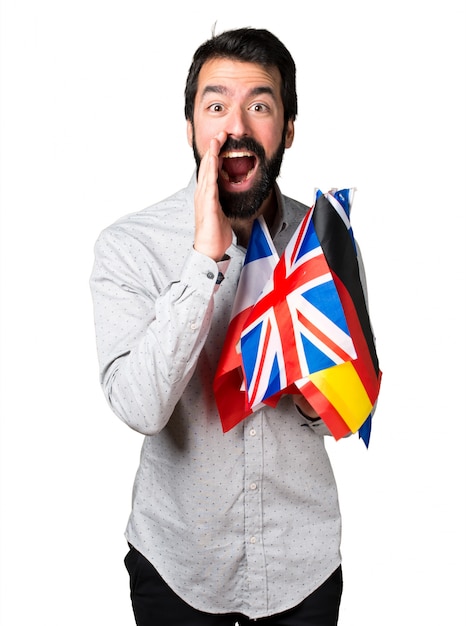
(224, 91)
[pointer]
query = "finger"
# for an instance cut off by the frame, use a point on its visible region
(217, 142)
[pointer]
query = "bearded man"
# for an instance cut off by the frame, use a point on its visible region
(225, 528)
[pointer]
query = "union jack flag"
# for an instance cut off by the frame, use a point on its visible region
(298, 326)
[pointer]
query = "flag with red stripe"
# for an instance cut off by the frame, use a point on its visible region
(261, 258)
(298, 325)
(345, 397)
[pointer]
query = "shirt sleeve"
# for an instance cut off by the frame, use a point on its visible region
(315, 423)
(149, 334)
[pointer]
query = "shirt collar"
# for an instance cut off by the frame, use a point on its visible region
(280, 223)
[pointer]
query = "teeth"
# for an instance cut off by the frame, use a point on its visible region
(234, 155)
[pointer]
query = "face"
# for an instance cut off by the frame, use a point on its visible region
(244, 100)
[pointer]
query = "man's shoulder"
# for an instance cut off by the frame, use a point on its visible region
(176, 207)
(295, 204)
(294, 210)
(174, 213)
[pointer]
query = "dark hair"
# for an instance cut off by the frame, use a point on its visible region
(250, 45)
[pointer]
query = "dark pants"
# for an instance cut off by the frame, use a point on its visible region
(155, 604)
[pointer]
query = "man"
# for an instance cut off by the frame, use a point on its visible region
(228, 527)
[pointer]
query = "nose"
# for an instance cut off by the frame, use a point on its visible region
(238, 125)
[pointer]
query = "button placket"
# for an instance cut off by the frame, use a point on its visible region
(253, 450)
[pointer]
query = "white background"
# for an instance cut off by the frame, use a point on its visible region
(92, 128)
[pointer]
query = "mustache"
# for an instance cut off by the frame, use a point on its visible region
(245, 143)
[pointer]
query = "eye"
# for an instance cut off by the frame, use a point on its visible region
(259, 107)
(216, 107)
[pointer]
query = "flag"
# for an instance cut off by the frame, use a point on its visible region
(261, 258)
(307, 330)
(298, 325)
(345, 396)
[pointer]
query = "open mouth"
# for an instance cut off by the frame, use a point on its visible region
(237, 167)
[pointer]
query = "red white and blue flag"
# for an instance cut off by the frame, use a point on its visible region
(298, 326)
(308, 329)
(261, 258)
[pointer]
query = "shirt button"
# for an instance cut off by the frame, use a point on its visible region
(253, 486)
(252, 432)
(253, 540)
(193, 326)
(210, 275)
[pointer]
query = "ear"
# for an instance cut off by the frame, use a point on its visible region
(289, 134)
(189, 133)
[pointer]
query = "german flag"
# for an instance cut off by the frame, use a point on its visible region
(344, 395)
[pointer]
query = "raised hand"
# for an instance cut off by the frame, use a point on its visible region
(213, 233)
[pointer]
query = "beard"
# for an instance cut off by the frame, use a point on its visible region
(245, 204)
